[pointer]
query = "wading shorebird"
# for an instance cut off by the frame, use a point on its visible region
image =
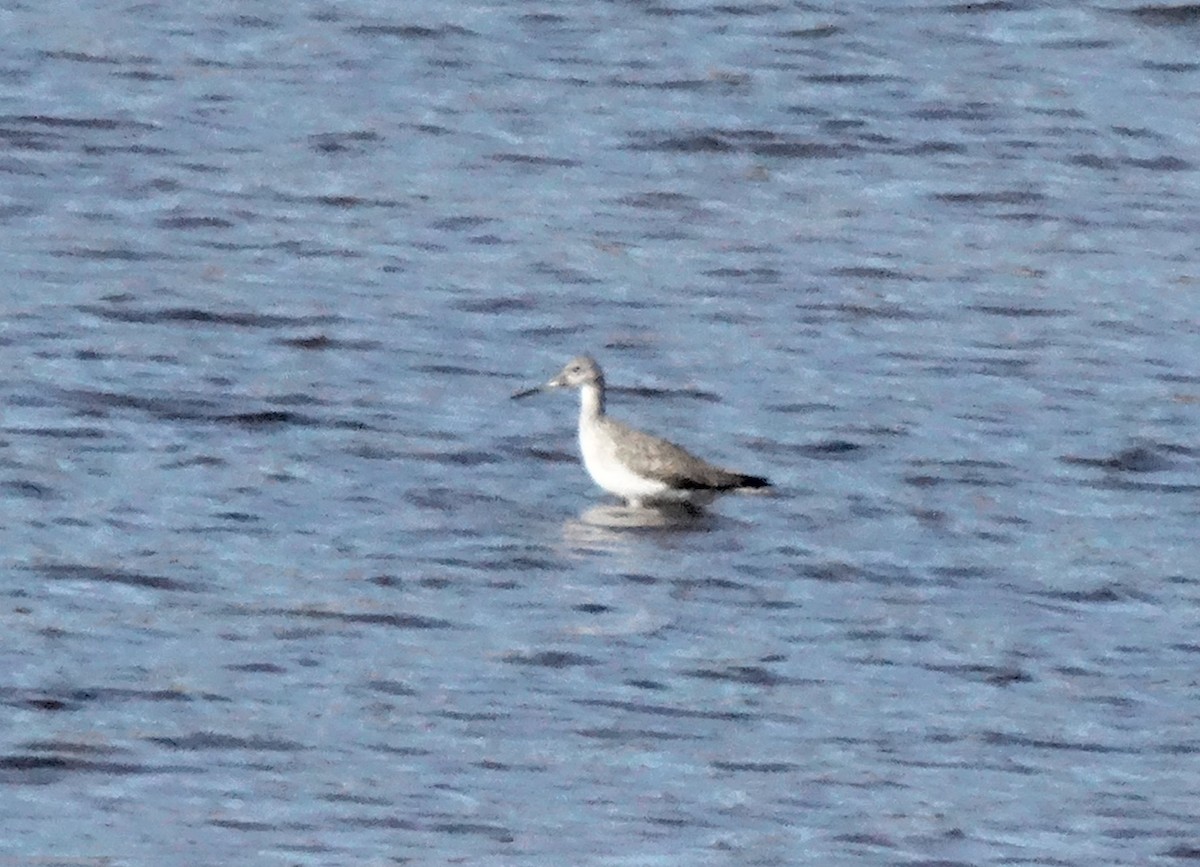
(642, 469)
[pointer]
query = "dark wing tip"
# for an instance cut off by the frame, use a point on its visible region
(723, 482)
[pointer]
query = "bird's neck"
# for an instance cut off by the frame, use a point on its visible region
(591, 401)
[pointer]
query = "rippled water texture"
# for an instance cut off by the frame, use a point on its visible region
(289, 580)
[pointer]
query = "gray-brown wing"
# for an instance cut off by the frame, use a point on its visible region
(656, 458)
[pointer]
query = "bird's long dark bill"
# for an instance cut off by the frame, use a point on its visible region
(517, 395)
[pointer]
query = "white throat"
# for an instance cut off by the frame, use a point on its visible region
(591, 402)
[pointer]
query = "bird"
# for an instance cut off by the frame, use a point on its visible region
(644, 470)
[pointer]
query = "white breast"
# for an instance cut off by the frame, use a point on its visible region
(600, 460)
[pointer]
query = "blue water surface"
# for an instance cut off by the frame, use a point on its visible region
(289, 580)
